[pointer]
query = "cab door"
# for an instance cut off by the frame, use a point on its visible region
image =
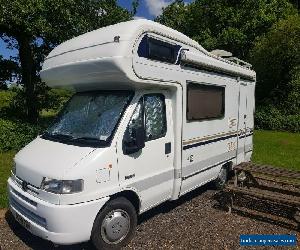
(150, 170)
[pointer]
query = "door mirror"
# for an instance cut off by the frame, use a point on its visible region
(136, 140)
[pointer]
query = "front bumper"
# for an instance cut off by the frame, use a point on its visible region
(61, 224)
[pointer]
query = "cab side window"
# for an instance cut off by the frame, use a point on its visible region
(150, 112)
(155, 116)
(136, 121)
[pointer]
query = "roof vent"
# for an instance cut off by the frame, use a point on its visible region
(221, 53)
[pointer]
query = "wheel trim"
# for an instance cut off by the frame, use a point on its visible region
(115, 226)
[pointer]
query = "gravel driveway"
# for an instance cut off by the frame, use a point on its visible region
(193, 222)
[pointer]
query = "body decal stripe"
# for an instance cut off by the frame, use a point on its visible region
(209, 141)
(149, 182)
(196, 142)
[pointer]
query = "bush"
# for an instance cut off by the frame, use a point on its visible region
(16, 134)
(6, 99)
(270, 118)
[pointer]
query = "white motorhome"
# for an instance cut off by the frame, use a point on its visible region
(154, 116)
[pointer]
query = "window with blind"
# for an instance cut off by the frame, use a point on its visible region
(205, 102)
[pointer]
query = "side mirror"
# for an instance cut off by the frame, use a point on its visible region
(136, 142)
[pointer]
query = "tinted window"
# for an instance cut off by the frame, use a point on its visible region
(158, 50)
(205, 102)
(161, 51)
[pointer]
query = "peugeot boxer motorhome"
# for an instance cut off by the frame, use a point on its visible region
(154, 116)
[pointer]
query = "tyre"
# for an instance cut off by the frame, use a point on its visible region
(222, 178)
(114, 225)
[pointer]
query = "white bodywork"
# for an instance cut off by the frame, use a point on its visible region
(107, 59)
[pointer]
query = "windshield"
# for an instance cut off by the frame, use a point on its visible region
(90, 117)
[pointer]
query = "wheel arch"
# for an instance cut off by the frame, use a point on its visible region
(130, 195)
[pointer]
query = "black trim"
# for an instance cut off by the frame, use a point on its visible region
(208, 141)
(208, 168)
(244, 136)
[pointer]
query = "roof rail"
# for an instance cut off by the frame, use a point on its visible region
(228, 56)
(239, 62)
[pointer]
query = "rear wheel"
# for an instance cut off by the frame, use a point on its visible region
(114, 225)
(222, 178)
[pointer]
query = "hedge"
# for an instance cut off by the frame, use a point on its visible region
(270, 118)
(16, 134)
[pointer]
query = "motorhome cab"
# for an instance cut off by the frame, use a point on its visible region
(154, 116)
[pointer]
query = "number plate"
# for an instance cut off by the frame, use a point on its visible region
(22, 221)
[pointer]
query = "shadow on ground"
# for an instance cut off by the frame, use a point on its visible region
(37, 243)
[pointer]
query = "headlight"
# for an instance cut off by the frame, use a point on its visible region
(62, 186)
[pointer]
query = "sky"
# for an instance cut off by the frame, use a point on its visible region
(148, 9)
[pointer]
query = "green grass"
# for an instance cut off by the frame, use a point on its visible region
(5, 167)
(280, 149)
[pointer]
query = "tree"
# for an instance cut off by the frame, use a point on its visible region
(34, 27)
(175, 16)
(225, 24)
(276, 59)
(8, 69)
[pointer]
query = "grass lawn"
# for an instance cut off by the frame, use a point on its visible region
(280, 149)
(5, 167)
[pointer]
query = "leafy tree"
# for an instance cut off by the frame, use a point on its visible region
(8, 69)
(175, 16)
(34, 27)
(276, 59)
(227, 24)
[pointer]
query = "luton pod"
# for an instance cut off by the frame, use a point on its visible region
(154, 116)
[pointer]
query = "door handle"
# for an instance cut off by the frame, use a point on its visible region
(168, 148)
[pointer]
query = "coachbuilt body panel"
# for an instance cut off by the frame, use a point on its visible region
(154, 116)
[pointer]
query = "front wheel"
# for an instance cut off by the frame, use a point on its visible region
(115, 225)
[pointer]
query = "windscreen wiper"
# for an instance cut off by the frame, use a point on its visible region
(90, 140)
(58, 136)
(87, 138)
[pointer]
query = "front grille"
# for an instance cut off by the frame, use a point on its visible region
(31, 188)
(27, 213)
(31, 202)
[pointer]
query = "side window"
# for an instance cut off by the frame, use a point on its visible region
(150, 112)
(205, 102)
(155, 116)
(158, 50)
(136, 121)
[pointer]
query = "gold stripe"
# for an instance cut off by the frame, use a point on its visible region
(209, 137)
